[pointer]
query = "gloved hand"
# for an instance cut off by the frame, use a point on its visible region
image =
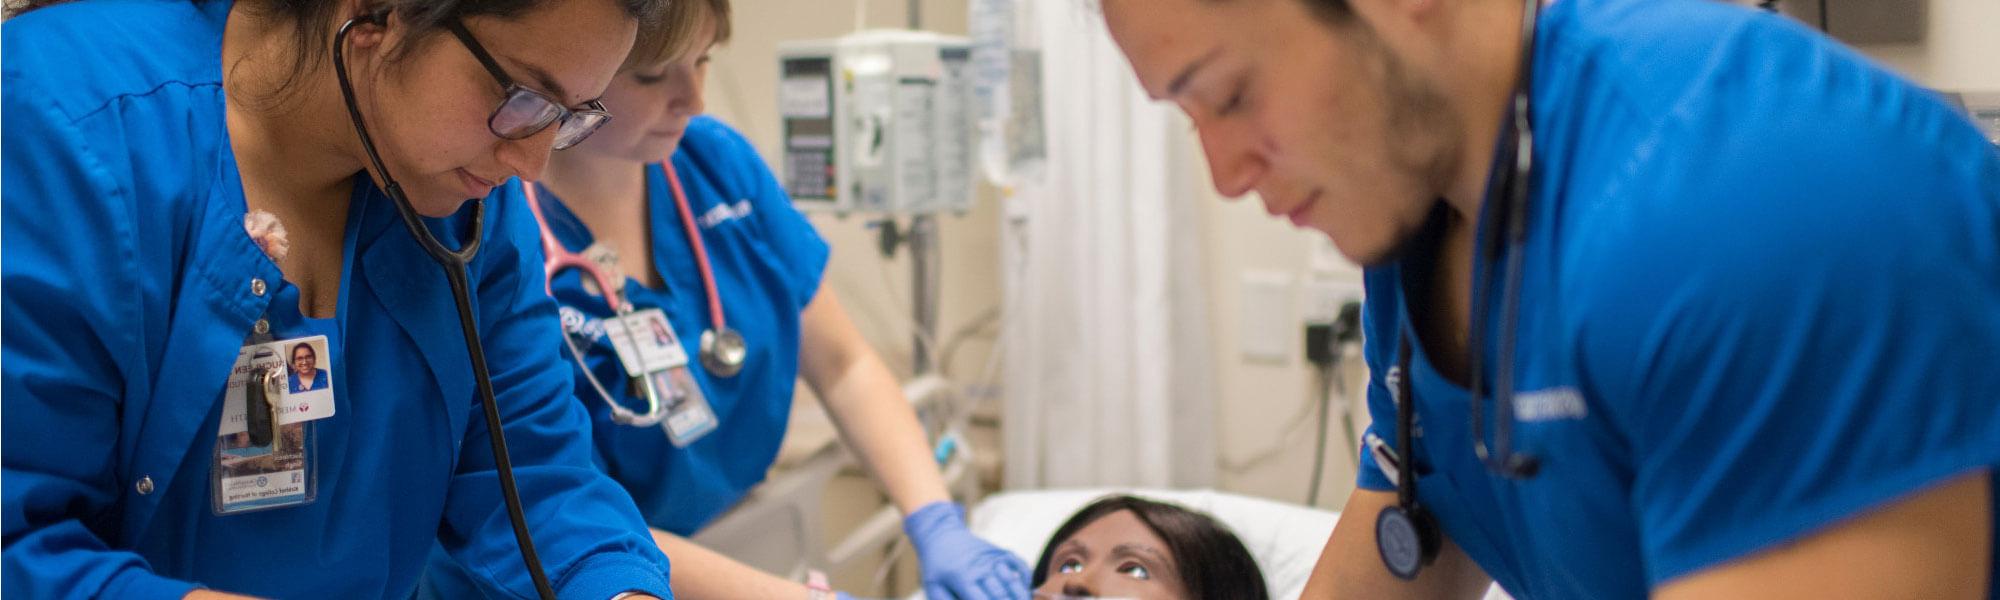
(958, 565)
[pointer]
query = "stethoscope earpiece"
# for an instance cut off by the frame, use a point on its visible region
(379, 16)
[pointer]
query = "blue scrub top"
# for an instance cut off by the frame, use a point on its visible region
(1759, 296)
(767, 261)
(128, 291)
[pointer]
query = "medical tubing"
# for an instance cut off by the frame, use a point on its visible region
(454, 265)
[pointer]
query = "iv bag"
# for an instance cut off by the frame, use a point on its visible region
(1007, 88)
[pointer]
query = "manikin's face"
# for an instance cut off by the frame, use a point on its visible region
(1116, 556)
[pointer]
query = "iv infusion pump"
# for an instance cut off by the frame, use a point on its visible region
(878, 122)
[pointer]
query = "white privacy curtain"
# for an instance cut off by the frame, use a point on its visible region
(1108, 371)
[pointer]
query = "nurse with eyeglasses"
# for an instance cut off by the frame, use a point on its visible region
(188, 201)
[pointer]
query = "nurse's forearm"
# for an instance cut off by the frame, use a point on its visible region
(1351, 566)
(867, 405)
(704, 574)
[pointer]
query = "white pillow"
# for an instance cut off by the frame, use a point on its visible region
(1285, 539)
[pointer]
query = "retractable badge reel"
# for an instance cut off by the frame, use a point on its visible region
(261, 394)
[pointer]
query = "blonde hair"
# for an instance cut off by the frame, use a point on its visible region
(672, 36)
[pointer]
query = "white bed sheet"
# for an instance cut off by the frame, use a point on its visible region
(1285, 539)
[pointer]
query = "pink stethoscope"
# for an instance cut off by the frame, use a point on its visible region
(723, 350)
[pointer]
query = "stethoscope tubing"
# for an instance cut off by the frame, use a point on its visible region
(455, 265)
(1503, 228)
(557, 258)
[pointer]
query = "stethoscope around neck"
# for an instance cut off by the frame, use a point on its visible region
(1406, 534)
(455, 265)
(723, 351)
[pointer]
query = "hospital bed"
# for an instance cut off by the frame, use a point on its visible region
(1286, 539)
(779, 527)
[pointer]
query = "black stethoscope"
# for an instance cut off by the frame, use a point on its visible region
(1406, 534)
(454, 264)
(723, 350)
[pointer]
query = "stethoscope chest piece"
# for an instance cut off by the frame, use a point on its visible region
(1407, 539)
(723, 352)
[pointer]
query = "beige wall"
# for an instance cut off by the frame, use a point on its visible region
(1960, 50)
(1261, 398)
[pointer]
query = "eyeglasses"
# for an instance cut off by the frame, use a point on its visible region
(526, 112)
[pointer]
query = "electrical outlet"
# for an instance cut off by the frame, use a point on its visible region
(1266, 328)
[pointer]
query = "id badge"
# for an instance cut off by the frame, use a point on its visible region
(688, 414)
(265, 448)
(645, 342)
(650, 351)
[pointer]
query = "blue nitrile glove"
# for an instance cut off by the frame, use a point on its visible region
(958, 565)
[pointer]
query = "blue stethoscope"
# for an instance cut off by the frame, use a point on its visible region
(1406, 534)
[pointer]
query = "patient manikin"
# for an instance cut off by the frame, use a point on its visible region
(1126, 547)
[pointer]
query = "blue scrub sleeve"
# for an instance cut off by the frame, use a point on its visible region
(591, 540)
(1378, 349)
(1824, 355)
(69, 359)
